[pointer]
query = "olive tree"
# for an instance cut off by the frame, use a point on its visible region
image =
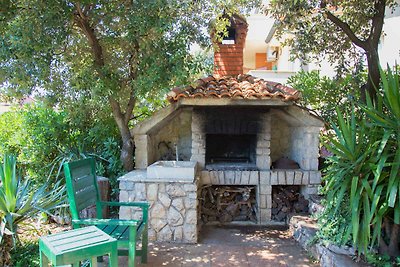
(118, 52)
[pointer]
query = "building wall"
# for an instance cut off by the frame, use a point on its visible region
(259, 26)
(389, 47)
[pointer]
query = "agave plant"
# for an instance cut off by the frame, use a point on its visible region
(364, 173)
(19, 201)
(384, 113)
(349, 175)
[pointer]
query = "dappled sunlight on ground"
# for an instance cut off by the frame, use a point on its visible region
(247, 246)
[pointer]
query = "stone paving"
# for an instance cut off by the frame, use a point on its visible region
(247, 246)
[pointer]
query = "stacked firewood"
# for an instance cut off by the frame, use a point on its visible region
(287, 200)
(228, 203)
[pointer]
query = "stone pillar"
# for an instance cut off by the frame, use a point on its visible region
(263, 159)
(311, 144)
(141, 151)
(264, 199)
(198, 139)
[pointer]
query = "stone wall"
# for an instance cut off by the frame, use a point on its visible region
(159, 143)
(280, 139)
(299, 143)
(304, 230)
(177, 131)
(173, 206)
(305, 146)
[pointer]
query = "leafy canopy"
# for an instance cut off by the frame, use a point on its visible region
(142, 45)
(116, 52)
(324, 95)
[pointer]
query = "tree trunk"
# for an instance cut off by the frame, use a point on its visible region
(369, 45)
(392, 232)
(374, 77)
(127, 142)
(127, 148)
(122, 120)
(5, 249)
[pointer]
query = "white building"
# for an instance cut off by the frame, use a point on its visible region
(265, 57)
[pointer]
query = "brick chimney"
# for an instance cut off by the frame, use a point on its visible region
(228, 56)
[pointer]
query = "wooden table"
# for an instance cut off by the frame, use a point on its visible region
(73, 246)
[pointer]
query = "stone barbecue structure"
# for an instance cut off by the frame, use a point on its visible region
(235, 130)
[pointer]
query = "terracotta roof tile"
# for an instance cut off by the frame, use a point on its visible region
(241, 87)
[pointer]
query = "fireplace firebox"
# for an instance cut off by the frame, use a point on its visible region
(230, 148)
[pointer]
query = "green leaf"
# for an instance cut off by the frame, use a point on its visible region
(355, 212)
(375, 201)
(397, 213)
(393, 195)
(394, 179)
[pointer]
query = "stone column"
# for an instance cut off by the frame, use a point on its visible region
(264, 199)
(263, 159)
(198, 139)
(141, 151)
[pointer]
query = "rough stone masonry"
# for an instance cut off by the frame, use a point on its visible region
(173, 206)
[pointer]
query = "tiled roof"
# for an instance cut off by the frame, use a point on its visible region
(241, 87)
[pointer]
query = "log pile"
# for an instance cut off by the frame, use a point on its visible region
(287, 200)
(228, 203)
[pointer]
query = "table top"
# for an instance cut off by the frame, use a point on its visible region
(76, 239)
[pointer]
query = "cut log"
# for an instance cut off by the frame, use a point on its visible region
(228, 203)
(287, 200)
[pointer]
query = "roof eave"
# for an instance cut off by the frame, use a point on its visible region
(232, 102)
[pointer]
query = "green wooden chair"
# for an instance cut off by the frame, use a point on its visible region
(83, 192)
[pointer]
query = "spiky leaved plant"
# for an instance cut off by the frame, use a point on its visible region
(364, 175)
(19, 201)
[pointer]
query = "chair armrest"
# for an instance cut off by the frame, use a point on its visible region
(143, 205)
(107, 222)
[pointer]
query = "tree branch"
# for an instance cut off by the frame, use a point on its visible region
(116, 109)
(346, 29)
(129, 108)
(82, 22)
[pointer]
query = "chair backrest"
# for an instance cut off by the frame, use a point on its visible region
(82, 186)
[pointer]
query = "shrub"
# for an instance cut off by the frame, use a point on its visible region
(10, 132)
(324, 95)
(44, 137)
(363, 177)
